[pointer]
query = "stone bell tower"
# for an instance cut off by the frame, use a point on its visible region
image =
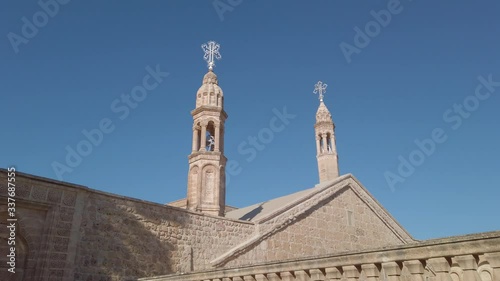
(206, 190)
(326, 151)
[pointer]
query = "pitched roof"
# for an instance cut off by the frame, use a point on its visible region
(262, 209)
(273, 215)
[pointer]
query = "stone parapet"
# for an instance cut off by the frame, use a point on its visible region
(466, 258)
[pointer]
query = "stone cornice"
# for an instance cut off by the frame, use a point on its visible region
(208, 108)
(324, 124)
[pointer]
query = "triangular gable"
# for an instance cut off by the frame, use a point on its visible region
(343, 192)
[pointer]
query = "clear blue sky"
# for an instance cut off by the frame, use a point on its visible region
(394, 91)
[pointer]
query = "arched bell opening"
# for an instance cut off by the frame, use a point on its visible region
(329, 147)
(210, 136)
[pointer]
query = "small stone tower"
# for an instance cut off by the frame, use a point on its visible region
(206, 190)
(326, 151)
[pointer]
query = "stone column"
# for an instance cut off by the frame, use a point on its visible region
(468, 264)
(317, 145)
(334, 144)
(441, 268)
(416, 269)
(371, 271)
(323, 143)
(392, 271)
(217, 138)
(203, 143)
(351, 272)
(195, 139)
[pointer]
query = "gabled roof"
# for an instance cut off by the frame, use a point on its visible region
(260, 210)
(276, 214)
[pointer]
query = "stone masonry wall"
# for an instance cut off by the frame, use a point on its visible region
(70, 232)
(343, 223)
(45, 214)
(128, 238)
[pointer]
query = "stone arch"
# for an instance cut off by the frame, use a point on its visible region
(456, 273)
(210, 134)
(485, 271)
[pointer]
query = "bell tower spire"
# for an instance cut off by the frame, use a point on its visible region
(326, 151)
(206, 190)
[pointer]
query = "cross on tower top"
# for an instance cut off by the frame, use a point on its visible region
(211, 49)
(320, 89)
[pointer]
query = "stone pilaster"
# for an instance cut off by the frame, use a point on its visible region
(468, 264)
(392, 270)
(317, 274)
(441, 268)
(371, 272)
(351, 272)
(333, 274)
(416, 269)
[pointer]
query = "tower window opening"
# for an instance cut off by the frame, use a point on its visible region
(321, 144)
(210, 137)
(329, 143)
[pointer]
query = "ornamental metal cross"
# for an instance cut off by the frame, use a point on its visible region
(320, 89)
(211, 49)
